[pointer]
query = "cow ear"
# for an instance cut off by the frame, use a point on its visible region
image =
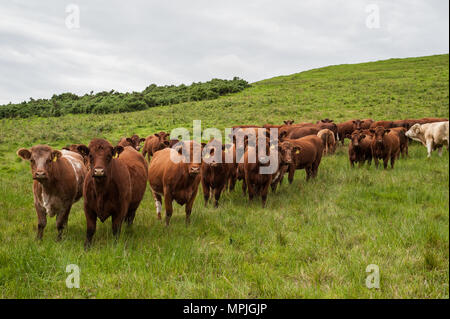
(156, 134)
(56, 155)
(83, 149)
(142, 139)
(354, 122)
(129, 140)
(282, 135)
(24, 153)
(387, 131)
(296, 150)
(285, 122)
(116, 151)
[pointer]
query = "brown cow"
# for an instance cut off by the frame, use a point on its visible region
(362, 124)
(215, 170)
(174, 174)
(359, 149)
(285, 158)
(385, 124)
(74, 148)
(345, 129)
(307, 155)
(58, 183)
(385, 145)
(328, 140)
(154, 143)
(301, 132)
(401, 131)
(115, 186)
(256, 181)
(133, 141)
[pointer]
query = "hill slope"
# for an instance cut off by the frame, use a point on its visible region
(313, 240)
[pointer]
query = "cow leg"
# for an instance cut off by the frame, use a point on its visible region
(264, 193)
(429, 147)
(375, 159)
(61, 222)
(129, 218)
(244, 187)
(91, 224)
(117, 220)
(393, 157)
(168, 201)
(440, 151)
(291, 173)
(206, 191)
(188, 208)
(385, 161)
(158, 203)
(217, 193)
(42, 220)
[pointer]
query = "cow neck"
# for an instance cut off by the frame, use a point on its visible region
(100, 188)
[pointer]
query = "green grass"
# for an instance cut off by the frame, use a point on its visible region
(313, 240)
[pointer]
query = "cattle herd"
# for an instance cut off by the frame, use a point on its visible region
(112, 179)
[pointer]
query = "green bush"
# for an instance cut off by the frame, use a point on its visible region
(115, 102)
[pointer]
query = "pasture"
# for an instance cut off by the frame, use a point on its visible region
(313, 240)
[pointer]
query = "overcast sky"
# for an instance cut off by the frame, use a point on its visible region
(127, 45)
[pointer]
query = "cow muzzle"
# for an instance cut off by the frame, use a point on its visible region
(98, 172)
(39, 175)
(194, 170)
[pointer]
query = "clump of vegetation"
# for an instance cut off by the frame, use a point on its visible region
(116, 102)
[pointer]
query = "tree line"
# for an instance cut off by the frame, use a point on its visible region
(116, 102)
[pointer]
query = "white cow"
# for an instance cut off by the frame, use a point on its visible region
(431, 135)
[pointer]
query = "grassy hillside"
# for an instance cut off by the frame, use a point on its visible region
(313, 240)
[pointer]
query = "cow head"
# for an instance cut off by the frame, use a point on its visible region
(327, 120)
(288, 122)
(42, 158)
(212, 153)
(191, 153)
(413, 132)
(100, 155)
(135, 142)
(287, 151)
(357, 124)
(356, 138)
(163, 141)
(378, 134)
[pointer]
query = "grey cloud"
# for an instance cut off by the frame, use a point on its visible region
(128, 45)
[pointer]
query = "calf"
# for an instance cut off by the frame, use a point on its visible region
(307, 154)
(403, 139)
(431, 135)
(58, 183)
(174, 174)
(359, 149)
(133, 141)
(214, 171)
(328, 141)
(385, 145)
(154, 143)
(115, 186)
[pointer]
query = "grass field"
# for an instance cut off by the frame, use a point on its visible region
(313, 240)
